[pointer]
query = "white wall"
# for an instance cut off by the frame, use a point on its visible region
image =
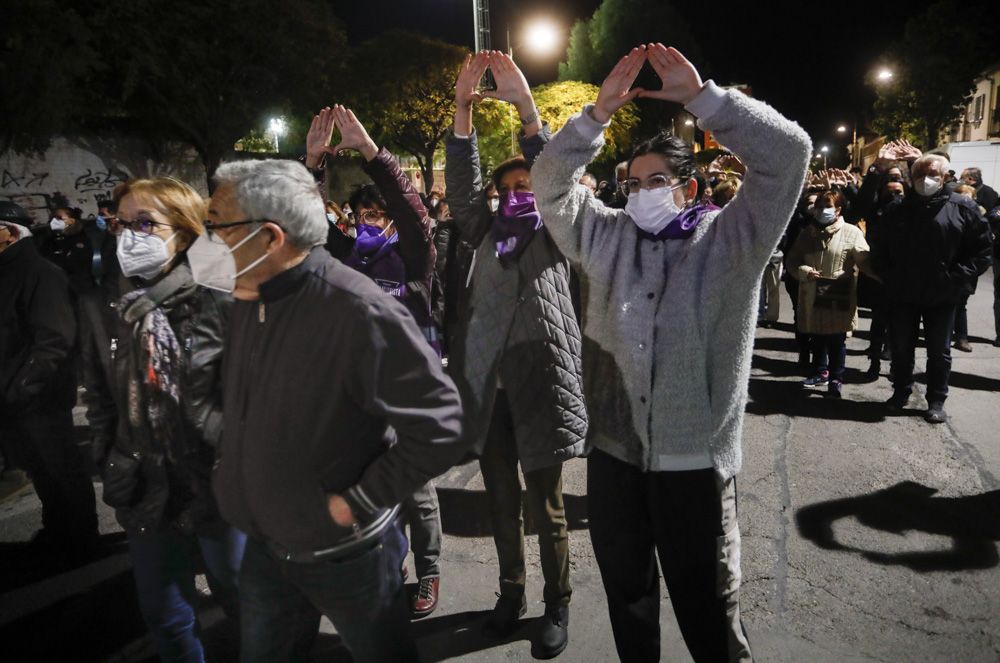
(984, 155)
(79, 172)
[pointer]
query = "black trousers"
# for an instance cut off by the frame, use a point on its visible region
(905, 326)
(688, 520)
(40, 441)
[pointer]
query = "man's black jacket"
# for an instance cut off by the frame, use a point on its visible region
(328, 387)
(929, 251)
(37, 330)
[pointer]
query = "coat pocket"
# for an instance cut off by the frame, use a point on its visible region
(121, 476)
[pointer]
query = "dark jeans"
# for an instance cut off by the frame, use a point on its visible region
(164, 565)
(879, 333)
(688, 519)
(961, 330)
(362, 595)
(40, 441)
(423, 515)
(802, 340)
(545, 508)
(830, 353)
(905, 323)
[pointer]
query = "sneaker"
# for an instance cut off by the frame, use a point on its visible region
(426, 599)
(898, 400)
(963, 345)
(833, 389)
(935, 413)
(819, 380)
(504, 619)
(554, 636)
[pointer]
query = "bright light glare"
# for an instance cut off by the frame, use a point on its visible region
(824, 149)
(884, 75)
(542, 37)
(689, 123)
(277, 126)
(842, 129)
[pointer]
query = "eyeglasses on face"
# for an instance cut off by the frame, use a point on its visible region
(212, 227)
(372, 215)
(141, 225)
(652, 182)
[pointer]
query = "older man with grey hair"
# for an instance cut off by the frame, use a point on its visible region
(929, 250)
(335, 410)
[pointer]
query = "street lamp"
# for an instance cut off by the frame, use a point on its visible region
(884, 75)
(541, 37)
(854, 140)
(277, 127)
(823, 150)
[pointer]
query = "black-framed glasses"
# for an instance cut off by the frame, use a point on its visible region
(141, 225)
(211, 226)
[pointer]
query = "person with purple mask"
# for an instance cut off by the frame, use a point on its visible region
(395, 249)
(515, 352)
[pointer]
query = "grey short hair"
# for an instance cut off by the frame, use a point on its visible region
(281, 191)
(927, 158)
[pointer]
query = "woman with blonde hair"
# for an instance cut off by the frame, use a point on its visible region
(153, 385)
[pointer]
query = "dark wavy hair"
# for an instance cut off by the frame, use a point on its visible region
(677, 154)
(514, 163)
(366, 195)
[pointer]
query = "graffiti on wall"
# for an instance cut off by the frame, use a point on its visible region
(27, 189)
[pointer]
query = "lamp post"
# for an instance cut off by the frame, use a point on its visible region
(854, 140)
(277, 127)
(541, 36)
(823, 150)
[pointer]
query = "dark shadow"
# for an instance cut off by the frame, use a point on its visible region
(972, 522)
(777, 344)
(455, 635)
(965, 381)
(22, 565)
(467, 512)
(775, 367)
(791, 399)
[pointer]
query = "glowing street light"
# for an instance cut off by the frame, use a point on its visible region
(277, 127)
(689, 122)
(823, 150)
(884, 75)
(842, 129)
(542, 37)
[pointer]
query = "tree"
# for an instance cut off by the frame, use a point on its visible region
(403, 90)
(203, 72)
(938, 60)
(557, 102)
(47, 55)
(495, 121)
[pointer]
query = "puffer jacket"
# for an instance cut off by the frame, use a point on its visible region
(837, 252)
(150, 491)
(515, 326)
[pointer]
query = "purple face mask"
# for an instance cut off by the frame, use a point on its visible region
(372, 241)
(515, 223)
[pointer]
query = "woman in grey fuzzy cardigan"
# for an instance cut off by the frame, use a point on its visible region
(669, 323)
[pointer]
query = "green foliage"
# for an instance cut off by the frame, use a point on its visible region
(557, 102)
(597, 43)
(494, 122)
(407, 103)
(936, 63)
(48, 52)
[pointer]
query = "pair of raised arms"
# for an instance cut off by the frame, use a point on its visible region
(680, 82)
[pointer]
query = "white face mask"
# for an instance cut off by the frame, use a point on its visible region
(653, 209)
(332, 218)
(825, 216)
(57, 225)
(144, 256)
(212, 262)
(494, 204)
(928, 186)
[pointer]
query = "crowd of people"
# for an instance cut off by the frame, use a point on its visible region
(273, 380)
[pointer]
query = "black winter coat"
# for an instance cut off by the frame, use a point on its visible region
(149, 491)
(37, 330)
(929, 251)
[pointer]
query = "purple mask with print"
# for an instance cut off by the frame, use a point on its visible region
(516, 222)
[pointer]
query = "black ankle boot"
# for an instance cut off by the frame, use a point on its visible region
(554, 636)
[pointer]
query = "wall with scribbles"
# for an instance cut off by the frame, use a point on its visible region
(80, 172)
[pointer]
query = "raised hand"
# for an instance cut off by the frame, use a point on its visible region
(469, 75)
(904, 150)
(680, 80)
(352, 134)
(615, 91)
(728, 163)
(886, 156)
(512, 87)
(318, 137)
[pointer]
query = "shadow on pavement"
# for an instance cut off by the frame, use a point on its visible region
(456, 635)
(789, 398)
(23, 565)
(467, 512)
(972, 522)
(965, 380)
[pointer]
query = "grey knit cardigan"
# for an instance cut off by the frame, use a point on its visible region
(669, 325)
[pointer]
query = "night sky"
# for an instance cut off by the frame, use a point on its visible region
(808, 59)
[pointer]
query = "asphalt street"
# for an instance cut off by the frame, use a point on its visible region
(866, 537)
